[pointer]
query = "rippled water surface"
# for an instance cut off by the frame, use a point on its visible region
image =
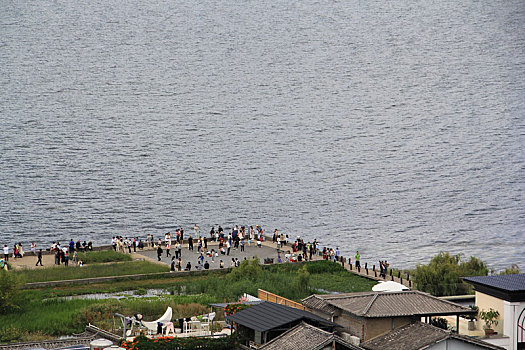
(395, 128)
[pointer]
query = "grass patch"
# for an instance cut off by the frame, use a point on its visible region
(103, 256)
(59, 273)
(343, 282)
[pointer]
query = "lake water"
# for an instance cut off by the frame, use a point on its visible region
(395, 128)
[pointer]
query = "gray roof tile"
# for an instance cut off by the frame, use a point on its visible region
(385, 304)
(417, 336)
(305, 337)
(510, 283)
(266, 315)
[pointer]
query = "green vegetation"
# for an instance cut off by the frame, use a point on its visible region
(441, 276)
(513, 270)
(58, 273)
(103, 256)
(9, 291)
(163, 343)
(42, 314)
(490, 317)
(291, 281)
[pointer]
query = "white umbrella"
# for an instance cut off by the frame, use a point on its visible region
(389, 286)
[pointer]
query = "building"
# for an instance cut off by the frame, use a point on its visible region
(371, 314)
(265, 321)
(307, 337)
(506, 294)
(416, 336)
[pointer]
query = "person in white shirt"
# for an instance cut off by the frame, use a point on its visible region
(6, 253)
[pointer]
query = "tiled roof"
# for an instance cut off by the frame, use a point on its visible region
(265, 316)
(385, 304)
(305, 337)
(417, 336)
(509, 283)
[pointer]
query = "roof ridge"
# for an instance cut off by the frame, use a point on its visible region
(370, 304)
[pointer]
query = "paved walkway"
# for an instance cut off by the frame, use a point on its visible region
(268, 249)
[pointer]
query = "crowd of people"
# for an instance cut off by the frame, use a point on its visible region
(238, 238)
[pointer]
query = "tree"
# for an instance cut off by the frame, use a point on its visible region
(9, 291)
(442, 275)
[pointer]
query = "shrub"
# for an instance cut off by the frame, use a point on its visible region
(10, 334)
(9, 291)
(248, 269)
(513, 270)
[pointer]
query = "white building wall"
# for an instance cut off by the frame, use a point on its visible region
(454, 344)
(511, 313)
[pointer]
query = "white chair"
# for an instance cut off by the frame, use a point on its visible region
(209, 320)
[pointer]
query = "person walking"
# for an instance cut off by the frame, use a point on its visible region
(39, 257)
(357, 260)
(159, 252)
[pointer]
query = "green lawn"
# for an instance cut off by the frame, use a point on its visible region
(61, 272)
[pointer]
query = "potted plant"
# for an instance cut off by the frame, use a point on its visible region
(472, 318)
(491, 319)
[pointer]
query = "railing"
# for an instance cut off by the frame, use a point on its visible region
(274, 298)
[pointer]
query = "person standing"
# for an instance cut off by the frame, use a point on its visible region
(168, 247)
(190, 243)
(173, 263)
(357, 260)
(6, 253)
(196, 230)
(33, 248)
(159, 252)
